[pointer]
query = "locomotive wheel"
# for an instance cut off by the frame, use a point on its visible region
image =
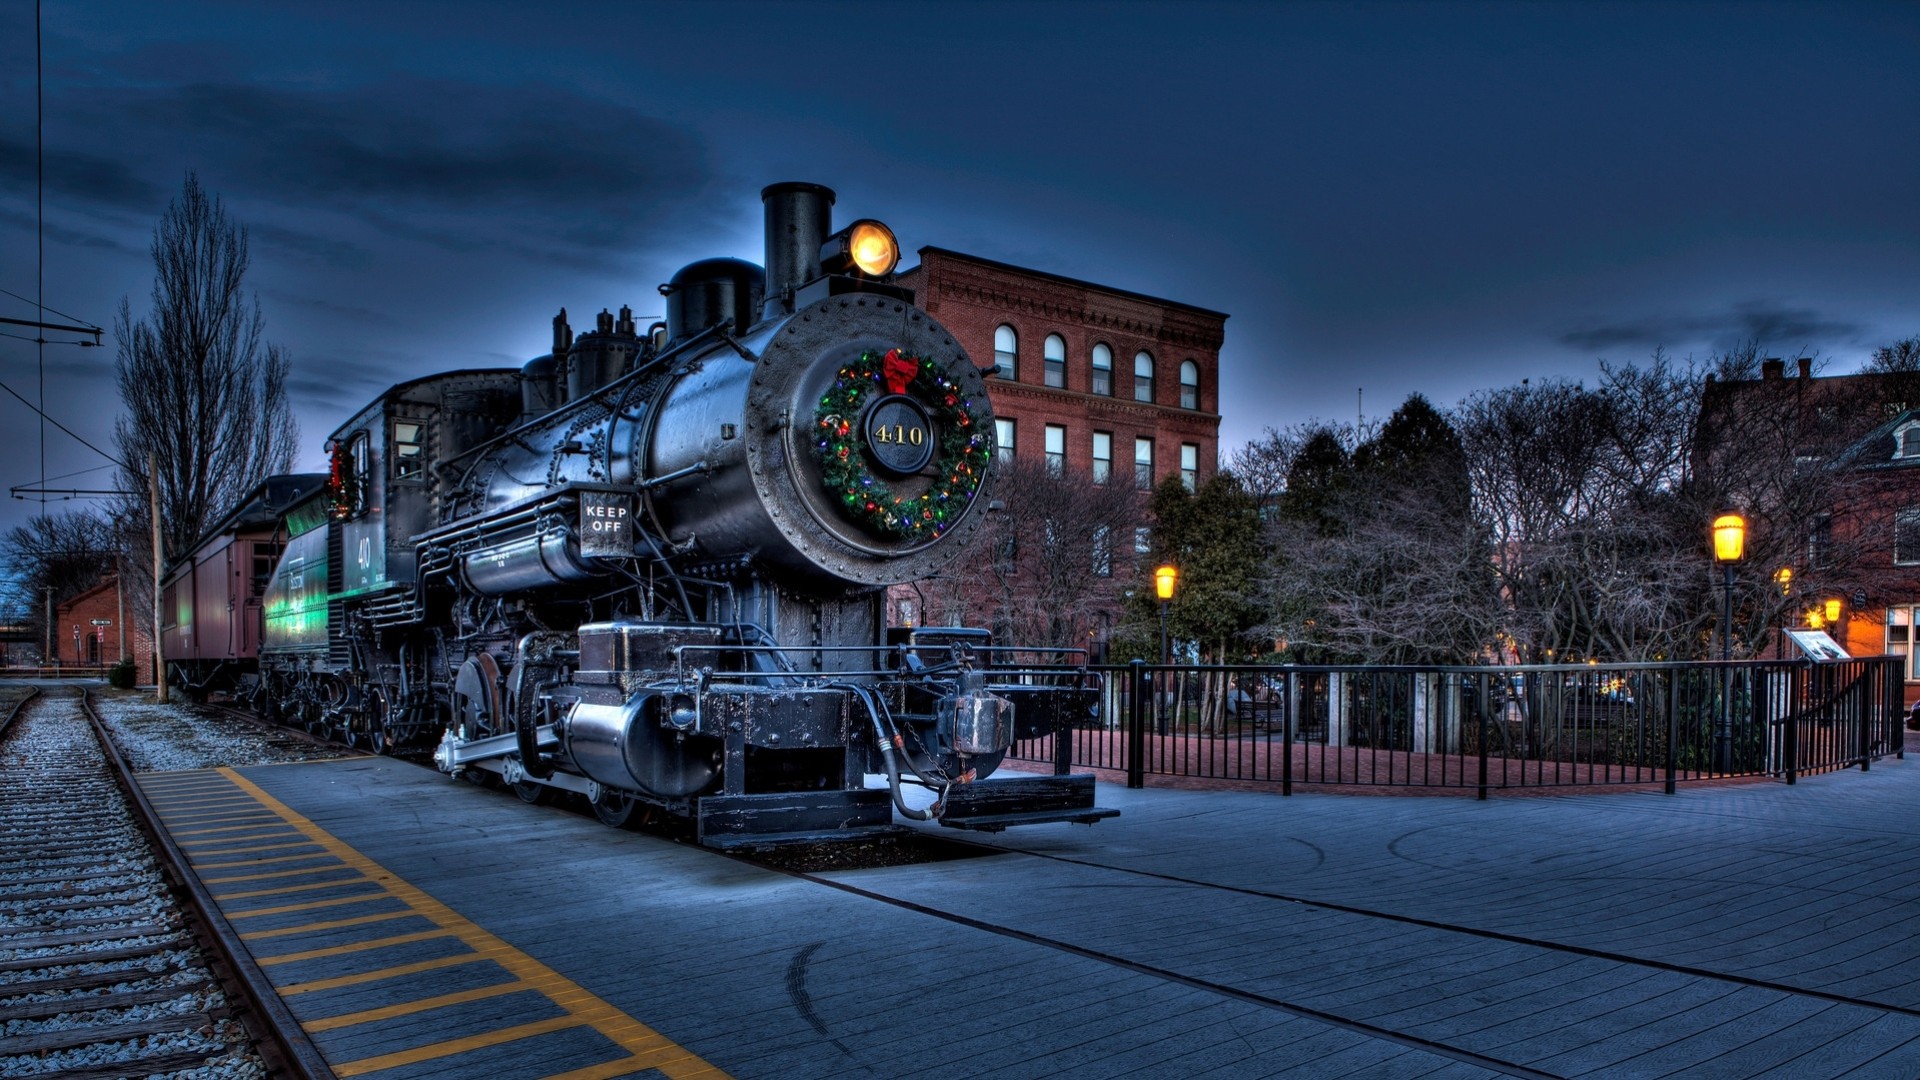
(374, 739)
(534, 794)
(613, 809)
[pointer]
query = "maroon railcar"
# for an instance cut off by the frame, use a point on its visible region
(210, 632)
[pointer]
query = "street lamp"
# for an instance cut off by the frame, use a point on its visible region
(1782, 577)
(1833, 606)
(1729, 546)
(1164, 579)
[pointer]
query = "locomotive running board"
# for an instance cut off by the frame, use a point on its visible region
(1003, 802)
(734, 821)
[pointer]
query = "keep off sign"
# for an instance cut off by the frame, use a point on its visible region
(606, 524)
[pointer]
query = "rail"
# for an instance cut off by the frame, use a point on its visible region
(1483, 728)
(57, 671)
(279, 1038)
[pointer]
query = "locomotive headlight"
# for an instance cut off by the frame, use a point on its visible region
(866, 247)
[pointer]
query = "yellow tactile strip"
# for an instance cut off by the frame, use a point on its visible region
(207, 839)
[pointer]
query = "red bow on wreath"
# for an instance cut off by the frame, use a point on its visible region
(897, 371)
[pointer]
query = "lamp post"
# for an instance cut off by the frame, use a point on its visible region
(1164, 579)
(1729, 545)
(1782, 577)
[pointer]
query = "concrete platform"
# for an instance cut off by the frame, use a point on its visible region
(425, 927)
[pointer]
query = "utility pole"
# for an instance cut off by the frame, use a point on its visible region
(153, 511)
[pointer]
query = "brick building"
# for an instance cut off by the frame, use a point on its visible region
(1096, 381)
(98, 627)
(1101, 380)
(1861, 545)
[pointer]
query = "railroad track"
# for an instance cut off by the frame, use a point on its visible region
(108, 967)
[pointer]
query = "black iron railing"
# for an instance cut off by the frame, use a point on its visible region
(1483, 728)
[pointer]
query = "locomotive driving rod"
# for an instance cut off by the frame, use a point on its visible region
(451, 756)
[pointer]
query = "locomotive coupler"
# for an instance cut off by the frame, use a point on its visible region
(974, 720)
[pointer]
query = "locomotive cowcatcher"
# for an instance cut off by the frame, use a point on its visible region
(650, 567)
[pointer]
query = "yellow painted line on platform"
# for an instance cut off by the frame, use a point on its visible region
(356, 946)
(377, 974)
(227, 829)
(212, 817)
(456, 1046)
(262, 862)
(200, 802)
(355, 880)
(408, 1008)
(649, 1048)
(271, 874)
(310, 905)
(302, 842)
(330, 924)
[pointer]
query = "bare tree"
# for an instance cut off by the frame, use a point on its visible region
(1377, 556)
(1583, 490)
(205, 397)
(55, 557)
(1053, 562)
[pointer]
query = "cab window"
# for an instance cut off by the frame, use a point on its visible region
(409, 461)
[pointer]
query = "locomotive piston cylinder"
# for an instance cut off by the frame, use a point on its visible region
(625, 747)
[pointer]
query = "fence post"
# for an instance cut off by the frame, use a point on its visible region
(1795, 703)
(1286, 733)
(1864, 711)
(1485, 710)
(1138, 687)
(1673, 724)
(1063, 743)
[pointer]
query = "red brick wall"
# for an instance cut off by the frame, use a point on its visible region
(103, 602)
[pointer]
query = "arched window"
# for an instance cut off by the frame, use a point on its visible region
(1143, 376)
(1055, 352)
(1189, 384)
(1006, 351)
(1103, 369)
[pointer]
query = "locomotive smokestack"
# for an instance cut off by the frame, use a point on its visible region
(799, 220)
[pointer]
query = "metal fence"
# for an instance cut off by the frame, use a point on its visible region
(1483, 728)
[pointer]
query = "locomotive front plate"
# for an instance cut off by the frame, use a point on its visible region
(899, 435)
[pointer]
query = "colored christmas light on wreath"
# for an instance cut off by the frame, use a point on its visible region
(343, 483)
(959, 461)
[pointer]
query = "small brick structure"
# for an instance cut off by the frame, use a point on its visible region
(92, 629)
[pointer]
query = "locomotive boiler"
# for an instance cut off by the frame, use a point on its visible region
(650, 567)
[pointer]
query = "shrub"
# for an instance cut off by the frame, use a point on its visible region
(120, 675)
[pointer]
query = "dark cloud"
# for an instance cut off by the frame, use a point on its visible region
(76, 175)
(1767, 321)
(61, 235)
(335, 385)
(1764, 321)
(363, 316)
(329, 250)
(419, 156)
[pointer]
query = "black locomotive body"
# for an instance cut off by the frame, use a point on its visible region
(650, 567)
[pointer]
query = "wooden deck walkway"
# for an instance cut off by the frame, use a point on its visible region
(1742, 931)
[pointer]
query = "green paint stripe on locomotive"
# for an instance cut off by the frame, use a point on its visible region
(296, 599)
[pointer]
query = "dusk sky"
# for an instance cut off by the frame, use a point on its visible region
(1383, 197)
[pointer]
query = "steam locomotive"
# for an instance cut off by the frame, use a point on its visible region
(649, 567)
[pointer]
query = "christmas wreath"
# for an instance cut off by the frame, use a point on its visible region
(343, 483)
(959, 460)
